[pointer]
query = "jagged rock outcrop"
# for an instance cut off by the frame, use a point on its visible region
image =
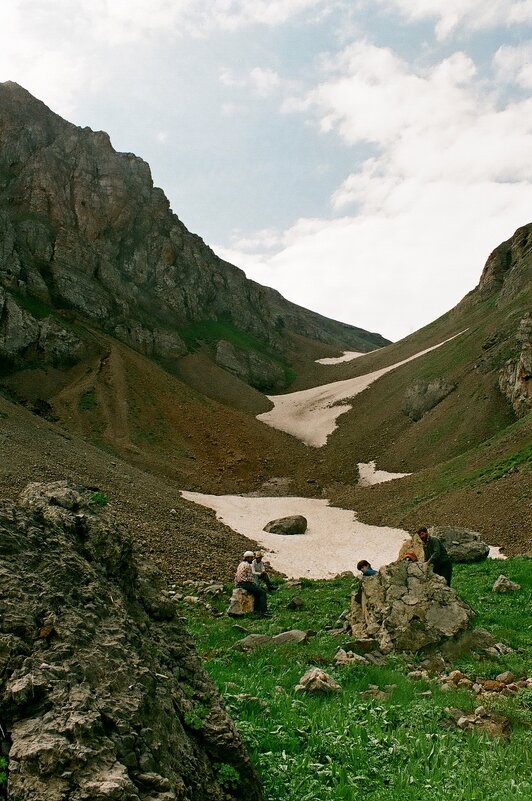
(508, 268)
(462, 544)
(422, 396)
(405, 607)
(83, 228)
(515, 378)
(102, 695)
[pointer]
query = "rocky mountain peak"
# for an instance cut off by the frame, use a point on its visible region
(83, 229)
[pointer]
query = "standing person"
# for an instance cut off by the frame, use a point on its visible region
(258, 568)
(245, 581)
(436, 555)
(365, 568)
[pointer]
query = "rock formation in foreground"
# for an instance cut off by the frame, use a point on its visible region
(405, 607)
(102, 695)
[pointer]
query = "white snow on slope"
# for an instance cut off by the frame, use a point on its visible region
(310, 414)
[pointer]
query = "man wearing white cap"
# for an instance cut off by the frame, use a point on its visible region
(244, 580)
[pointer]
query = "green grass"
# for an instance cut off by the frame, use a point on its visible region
(349, 747)
(87, 401)
(212, 331)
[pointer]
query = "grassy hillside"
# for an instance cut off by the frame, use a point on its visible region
(384, 736)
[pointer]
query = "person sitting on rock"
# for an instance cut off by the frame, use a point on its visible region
(436, 555)
(245, 581)
(365, 568)
(258, 568)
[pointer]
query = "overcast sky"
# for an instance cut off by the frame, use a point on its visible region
(361, 156)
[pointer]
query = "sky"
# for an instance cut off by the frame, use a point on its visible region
(363, 157)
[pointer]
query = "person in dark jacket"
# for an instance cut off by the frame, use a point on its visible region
(365, 568)
(436, 555)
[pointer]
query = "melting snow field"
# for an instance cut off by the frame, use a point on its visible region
(347, 356)
(334, 541)
(310, 414)
(369, 475)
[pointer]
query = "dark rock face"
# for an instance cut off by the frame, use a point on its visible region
(461, 544)
(515, 378)
(83, 228)
(295, 524)
(405, 607)
(422, 396)
(508, 269)
(102, 695)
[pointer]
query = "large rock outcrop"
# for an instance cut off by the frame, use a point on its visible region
(82, 228)
(102, 695)
(405, 607)
(515, 378)
(462, 544)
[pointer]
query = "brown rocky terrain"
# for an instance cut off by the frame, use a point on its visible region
(127, 350)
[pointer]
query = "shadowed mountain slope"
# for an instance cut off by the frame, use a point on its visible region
(85, 234)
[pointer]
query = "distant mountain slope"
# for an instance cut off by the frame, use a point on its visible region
(84, 232)
(460, 421)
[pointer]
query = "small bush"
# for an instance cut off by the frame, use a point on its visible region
(99, 498)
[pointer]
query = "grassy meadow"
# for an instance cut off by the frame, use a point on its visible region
(396, 744)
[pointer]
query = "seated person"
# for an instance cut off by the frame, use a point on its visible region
(365, 568)
(258, 568)
(245, 581)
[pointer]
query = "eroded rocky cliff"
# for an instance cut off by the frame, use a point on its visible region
(102, 695)
(82, 228)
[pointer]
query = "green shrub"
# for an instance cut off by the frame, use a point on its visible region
(99, 498)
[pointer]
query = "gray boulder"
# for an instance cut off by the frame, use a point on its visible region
(103, 695)
(503, 584)
(462, 544)
(406, 607)
(296, 524)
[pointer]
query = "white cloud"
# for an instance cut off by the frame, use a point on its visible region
(473, 14)
(261, 80)
(514, 64)
(450, 179)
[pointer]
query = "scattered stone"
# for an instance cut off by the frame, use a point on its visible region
(349, 658)
(214, 589)
(507, 677)
(294, 524)
(252, 641)
(296, 603)
(418, 675)
(257, 640)
(503, 584)
(316, 680)
(240, 603)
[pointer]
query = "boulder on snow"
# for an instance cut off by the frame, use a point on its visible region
(295, 524)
